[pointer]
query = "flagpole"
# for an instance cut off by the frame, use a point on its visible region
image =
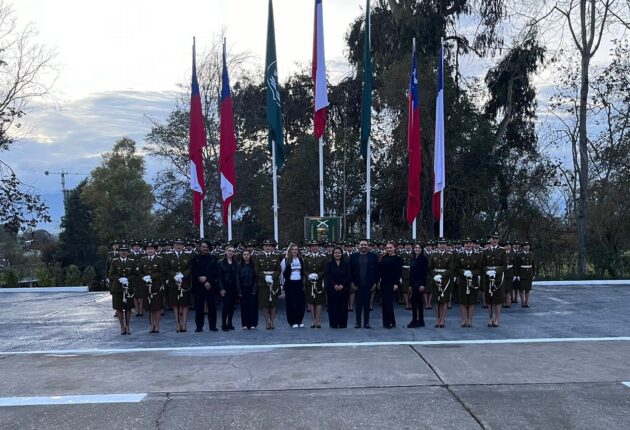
(229, 220)
(413, 230)
(368, 189)
(444, 148)
(441, 214)
(275, 190)
(201, 225)
(321, 176)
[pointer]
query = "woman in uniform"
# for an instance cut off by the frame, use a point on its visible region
(526, 266)
(494, 262)
(314, 266)
(468, 268)
(122, 274)
(151, 270)
(441, 267)
(268, 274)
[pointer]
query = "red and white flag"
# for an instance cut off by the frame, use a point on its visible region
(197, 133)
(227, 143)
(439, 174)
(319, 72)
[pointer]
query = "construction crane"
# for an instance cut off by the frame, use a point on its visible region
(63, 174)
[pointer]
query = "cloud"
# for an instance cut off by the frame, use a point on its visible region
(75, 136)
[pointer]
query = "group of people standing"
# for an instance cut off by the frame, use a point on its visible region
(341, 280)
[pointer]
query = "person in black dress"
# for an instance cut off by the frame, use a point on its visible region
(337, 280)
(390, 275)
(246, 282)
(227, 287)
(419, 264)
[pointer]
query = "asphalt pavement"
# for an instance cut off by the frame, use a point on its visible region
(560, 364)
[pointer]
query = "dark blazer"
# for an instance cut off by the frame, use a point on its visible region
(337, 275)
(246, 277)
(372, 269)
(287, 268)
(204, 265)
(227, 276)
(418, 272)
(390, 270)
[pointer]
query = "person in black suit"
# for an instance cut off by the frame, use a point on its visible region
(204, 274)
(364, 268)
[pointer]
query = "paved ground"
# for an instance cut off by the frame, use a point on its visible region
(559, 364)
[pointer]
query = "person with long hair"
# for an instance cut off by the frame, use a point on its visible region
(418, 266)
(526, 271)
(468, 269)
(227, 287)
(494, 263)
(246, 283)
(390, 276)
(292, 267)
(122, 273)
(314, 264)
(441, 267)
(179, 291)
(337, 280)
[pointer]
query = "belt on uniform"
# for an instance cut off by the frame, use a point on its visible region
(440, 270)
(406, 267)
(492, 267)
(526, 267)
(268, 272)
(509, 266)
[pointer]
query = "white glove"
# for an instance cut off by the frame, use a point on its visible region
(123, 281)
(437, 278)
(269, 279)
(313, 277)
(147, 278)
(516, 278)
(491, 273)
(467, 273)
(178, 277)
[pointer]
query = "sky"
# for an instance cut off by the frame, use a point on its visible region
(121, 61)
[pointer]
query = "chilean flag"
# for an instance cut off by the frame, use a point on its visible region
(197, 142)
(414, 144)
(227, 142)
(439, 174)
(319, 72)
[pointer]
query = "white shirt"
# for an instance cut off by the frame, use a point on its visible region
(296, 268)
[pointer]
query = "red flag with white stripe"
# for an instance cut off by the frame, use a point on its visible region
(197, 133)
(319, 72)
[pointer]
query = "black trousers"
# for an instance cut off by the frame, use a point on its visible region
(417, 307)
(338, 308)
(249, 307)
(227, 312)
(362, 302)
(387, 301)
(295, 301)
(203, 296)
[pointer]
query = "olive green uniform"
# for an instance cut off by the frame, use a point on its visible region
(494, 259)
(153, 267)
(406, 274)
(140, 289)
(122, 297)
(510, 272)
(178, 295)
(525, 269)
(441, 263)
(268, 264)
(468, 292)
(315, 292)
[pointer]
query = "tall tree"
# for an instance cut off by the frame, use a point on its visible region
(79, 241)
(119, 197)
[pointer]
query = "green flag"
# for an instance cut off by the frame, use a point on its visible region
(274, 112)
(366, 104)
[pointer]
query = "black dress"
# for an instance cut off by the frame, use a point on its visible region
(390, 273)
(227, 283)
(246, 283)
(337, 274)
(417, 278)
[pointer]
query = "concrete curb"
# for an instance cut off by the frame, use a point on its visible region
(625, 282)
(45, 290)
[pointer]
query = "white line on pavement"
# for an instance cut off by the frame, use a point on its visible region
(45, 290)
(627, 384)
(72, 400)
(263, 347)
(555, 299)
